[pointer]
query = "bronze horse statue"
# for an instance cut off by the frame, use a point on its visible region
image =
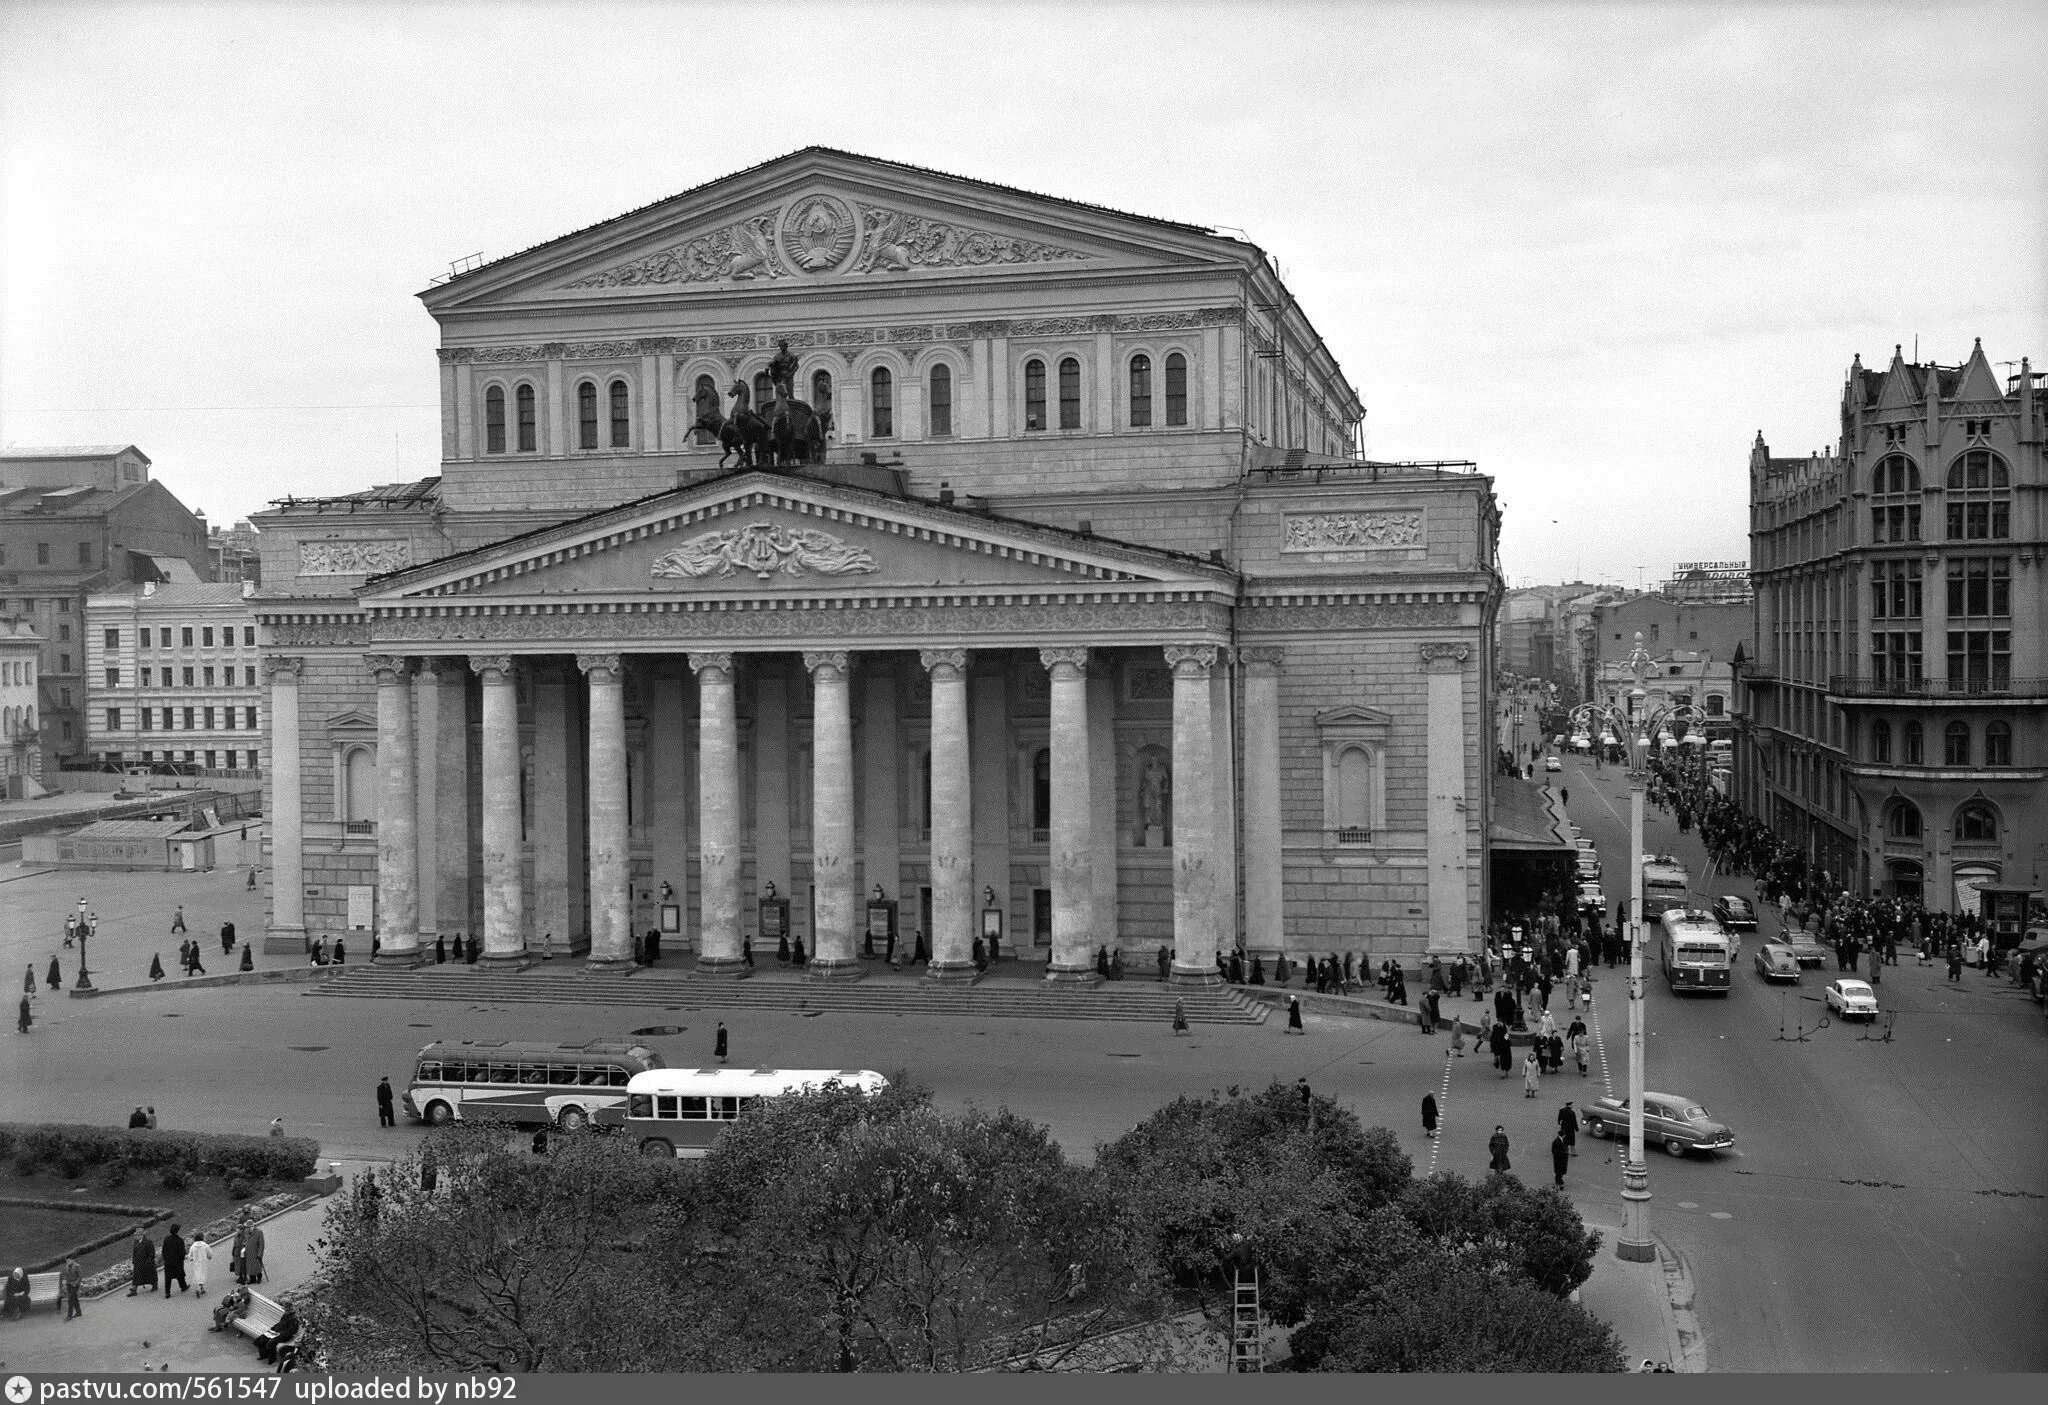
(745, 434)
(785, 433)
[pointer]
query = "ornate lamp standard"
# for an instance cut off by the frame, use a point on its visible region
(1638, 723)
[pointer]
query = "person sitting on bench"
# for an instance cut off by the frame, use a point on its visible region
(287, 1327)
(234, 1305)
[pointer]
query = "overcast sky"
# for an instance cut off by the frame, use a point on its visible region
(1595, 248)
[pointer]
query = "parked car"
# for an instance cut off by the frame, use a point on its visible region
(1775, 962)
(1589, 866)
(1677, 1124)
(1735, 913)
(1852, 999)
(1806, 947)
(1579, 841)
(1591, 894)
(1551, 763)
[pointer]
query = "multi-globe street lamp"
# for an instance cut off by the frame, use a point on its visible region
(1638, 723)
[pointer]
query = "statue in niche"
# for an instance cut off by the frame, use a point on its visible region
(1155, 798)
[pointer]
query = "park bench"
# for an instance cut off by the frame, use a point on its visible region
(44, 1290)
(261, 1317)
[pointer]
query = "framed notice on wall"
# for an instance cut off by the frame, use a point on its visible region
(671, 918)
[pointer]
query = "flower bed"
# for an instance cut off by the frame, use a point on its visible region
(196, 1153)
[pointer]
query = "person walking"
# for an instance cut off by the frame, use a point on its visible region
(747, 952)
(340, 951)
(1501, 1053)
(142, 1263)
(277, 1126)
(719, 1045)
(156, 966)
(1180, 1014)
(69, 1281)
(1294, 1016)
(1529, 1073)
(440, 950)
(28, 982)
(178, 919)
(54, 979)
(227, 939)
(174, 1261)
(1560, 1158)
(1568, 1126)
(1497, 1149)
(1429, 1115)
(198, 1259)
(27, 1018)
(385, 1116)
(1457, 1037)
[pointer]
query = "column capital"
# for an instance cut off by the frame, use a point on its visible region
(283, 668)
(815, 659)
(1268, 657)
(1444, 657)
(1190, 660)
(936, 659)
(700, 664)
(1053, 659)
(492, 668)
(602, 668)
(389, 668)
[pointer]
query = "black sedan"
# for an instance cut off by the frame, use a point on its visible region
(1735, 913)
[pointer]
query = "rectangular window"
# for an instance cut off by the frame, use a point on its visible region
(208, 718)
(145, 677)
(227, 715)
(940, 411)
(187, 676)
(1141, 392)
(249, 676)
(209, 760)
(586, 416)
(249, 635)
(1980, 587)
(189, 713)
(1176, 389)
(529, 438)
(622, 420)
(1980, 659)
(1070, 394)
(112, 638)
(42, 553)
(64, 696)
(113, 719)
(85, 553)
(63, 631)
(208, 675)
(185, 636)
(148, 716)
(206, 636)
(113, 678)
(249, 715)
(1895, 658)
(64, 665)
(882, 411)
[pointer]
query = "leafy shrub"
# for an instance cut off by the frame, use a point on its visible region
(27, 1164)
(6, 1141)
(197, 1153)
(70, 1167)
(239, 1189)
(117, 1172)
(174, 1178)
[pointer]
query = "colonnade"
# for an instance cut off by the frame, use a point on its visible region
(1082, 877)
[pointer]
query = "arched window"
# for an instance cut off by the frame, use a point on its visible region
(881, 404)
(1914, 745)
(1955, 744)
(1976, 823)
(1979, 497)
(359, 784)
(1902, 820)
(1881, 741)
(764, 389)
(1998, 743)
(1070, 393)
(586, 416)
(939, 404)
(529, 435)
(1354, 789)
(1176, 389)
(1141, 391)
(1041, 791)
(622, 419)
(705, 403)
(1895, 473)
(494, 420)
(1034, 394)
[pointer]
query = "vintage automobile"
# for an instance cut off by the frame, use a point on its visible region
(1807, 948)
(1591, 894)
(1677, 1124)
(1589, 867)
(1551, 763)
(1735, 913)
(1852, 1000)
(1775, 962)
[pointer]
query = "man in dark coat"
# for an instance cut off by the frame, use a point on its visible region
(1294, 1015)
(143, 1260)
(174, 1261)
(1568, 1126)
(138, 1118)
(718, 1047)
(227, 938)
(1560, 1158)
(1497, 1148)
(1429, 1114)
(1498, 1040)
(440, 950)
(55, 980)
(653, 945)
(385, 1116)
(156, 966)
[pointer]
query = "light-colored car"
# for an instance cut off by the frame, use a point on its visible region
(1591, 894)
(1852, 1000)
(1579, 841)
(1677, 1124)
(1775, 962)
(1588, 866)
(1551, 763)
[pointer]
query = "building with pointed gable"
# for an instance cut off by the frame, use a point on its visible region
(1895, 714)
(1086, 630)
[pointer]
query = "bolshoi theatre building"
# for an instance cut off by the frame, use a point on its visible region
(842, 547)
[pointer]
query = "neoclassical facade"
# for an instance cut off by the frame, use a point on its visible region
(1089, 630)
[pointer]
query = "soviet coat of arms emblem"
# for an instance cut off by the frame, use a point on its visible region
(818, 234)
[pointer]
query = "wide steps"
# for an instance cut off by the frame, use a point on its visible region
(1006, 1000)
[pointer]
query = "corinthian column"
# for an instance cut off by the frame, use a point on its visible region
(832, 816)
(952, 847)
(1073, 839)
(504, 875)
(1195, 889)
(611, 912)
(286, 811)
(718, 817)
(398, 855)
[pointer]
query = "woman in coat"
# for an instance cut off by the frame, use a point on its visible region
(1529, 1071)
(143, 1263)
(1498, 1146)
(1294, 1015)
(1429, 1114)
(198, 1258)
(55, 979)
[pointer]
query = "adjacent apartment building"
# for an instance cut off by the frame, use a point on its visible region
(21, 752)
(74, 521)
(1895, 718)
(174, 678)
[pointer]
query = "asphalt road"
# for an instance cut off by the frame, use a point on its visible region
(1884, 1207)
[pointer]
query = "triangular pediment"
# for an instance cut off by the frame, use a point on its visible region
(1353, 715)
(1978, 381)
(823, 218)
(1901, 386)
(768, 536)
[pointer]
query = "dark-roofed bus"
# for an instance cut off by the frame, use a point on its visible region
(527, 1083)
(1697, 954)
(682, 1111)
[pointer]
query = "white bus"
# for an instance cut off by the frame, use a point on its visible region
(1698, 954)
(526, 1083)
(682, 1111)
(1666, 885)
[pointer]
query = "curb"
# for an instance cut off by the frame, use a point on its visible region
(1356, 1008)
(1682, 1321)
(285, 975)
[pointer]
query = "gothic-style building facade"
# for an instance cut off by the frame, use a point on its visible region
(1053, 602)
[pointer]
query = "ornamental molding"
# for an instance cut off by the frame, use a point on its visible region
(354, 557)
(818, 234)
(389, 668)
(896, 241)
(1053, 659)
(1262, 656)
(1190, 660)
(283, 668)
(307, 634)
(601, 668)
(740, 252)
(1273, 619)
(1444, 658)
(934, 659)
(493, 668)
(1345, 532)
(502, 355)
(767, 549)
(712, 663)
(835, 659)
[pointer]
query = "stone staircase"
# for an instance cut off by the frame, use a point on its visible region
(1141, 1002)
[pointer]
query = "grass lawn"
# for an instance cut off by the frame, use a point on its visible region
(23, 1231)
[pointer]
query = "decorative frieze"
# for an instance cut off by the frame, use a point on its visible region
(313, 634)
(741, 252)
(1352, 531)
(505, 355)
(767, 549)
(1272, 619)
(353, 557)
(897, 241)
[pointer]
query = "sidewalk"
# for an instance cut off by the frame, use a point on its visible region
(148, 1333)
(1649, 1305)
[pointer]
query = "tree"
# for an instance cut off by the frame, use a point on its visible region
(1534, 1232)
(1292, 1180)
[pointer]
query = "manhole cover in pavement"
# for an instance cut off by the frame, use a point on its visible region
(662, 1029)
(174, 1017)
(419, 1026)
(1127, 1056)
(308, 1048)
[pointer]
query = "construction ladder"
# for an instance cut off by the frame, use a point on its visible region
(1247, 1344)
